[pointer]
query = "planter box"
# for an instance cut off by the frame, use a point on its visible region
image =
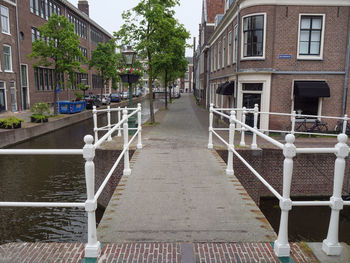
(129, 78)
(14, 126)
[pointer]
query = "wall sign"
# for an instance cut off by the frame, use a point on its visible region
(285, 56)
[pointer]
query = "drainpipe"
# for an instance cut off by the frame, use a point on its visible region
(208, 76)
(346, 78)
(237, 52)
(21, 104)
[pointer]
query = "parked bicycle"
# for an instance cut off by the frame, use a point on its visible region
(339, 127)
(304, 126)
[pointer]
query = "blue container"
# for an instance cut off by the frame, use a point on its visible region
(67, 107)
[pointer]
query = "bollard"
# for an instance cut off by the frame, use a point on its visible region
(229, 169)
(281, 247)
(242, 143)
(331, 245)
(210, 143)
(127, 170)
(139, 127)
(345, 122)
(94, 115)
(92, 248)
(120, 128)
(254, 145)
(109, 122)
(293, 122)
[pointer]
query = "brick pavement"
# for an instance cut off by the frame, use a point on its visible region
(151, 252)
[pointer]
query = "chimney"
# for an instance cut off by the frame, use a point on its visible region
(83, 5)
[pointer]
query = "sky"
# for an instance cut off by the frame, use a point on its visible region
(107, 13)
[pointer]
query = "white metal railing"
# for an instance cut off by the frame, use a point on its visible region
(92, 248)
(330, 245)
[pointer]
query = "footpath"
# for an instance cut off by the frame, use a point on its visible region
(178, 205)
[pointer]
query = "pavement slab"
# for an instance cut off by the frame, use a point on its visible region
(178, 190)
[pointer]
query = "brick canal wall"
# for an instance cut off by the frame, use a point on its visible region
(104, 160)
(312, 175)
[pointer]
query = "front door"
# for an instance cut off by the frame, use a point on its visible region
(249, 100)
(13, 97)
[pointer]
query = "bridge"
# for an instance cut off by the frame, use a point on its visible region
(178, 201)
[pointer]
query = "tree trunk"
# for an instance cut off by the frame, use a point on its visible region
(166, 89)
(151, 110)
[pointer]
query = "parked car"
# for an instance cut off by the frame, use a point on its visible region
(125, 95)
(105, 100)
(91, 101)
(115, 97)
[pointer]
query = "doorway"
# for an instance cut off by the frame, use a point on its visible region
(249, 100)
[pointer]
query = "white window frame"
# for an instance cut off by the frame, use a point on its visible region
(307, 57)
(3, 81)
(229, 47)
(223, 52)
(8, 20)
(242, 38)
(3, 57)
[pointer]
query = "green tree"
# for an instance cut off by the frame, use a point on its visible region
(170, 60)
(105, 60)
(141, 30)
(58, 46)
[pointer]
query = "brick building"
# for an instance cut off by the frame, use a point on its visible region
(22, 85)
(186, 83)
(283, 55)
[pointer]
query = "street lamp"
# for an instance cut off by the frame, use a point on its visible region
(128, 77)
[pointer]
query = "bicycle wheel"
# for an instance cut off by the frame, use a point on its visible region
(322, 128)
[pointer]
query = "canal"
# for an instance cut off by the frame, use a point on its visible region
(48, 179)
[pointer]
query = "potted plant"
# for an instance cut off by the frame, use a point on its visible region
(40, 110)
(129, 74)
(11, 123)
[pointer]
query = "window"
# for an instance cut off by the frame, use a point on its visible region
(79, 26)
(44, 8)
(305, 105)
(96, 36)
(229, 48)
(5, 23)
(253, 36)
(97, 82)
(7, 58)
(219, 53)
(223, 52)
(215, 58)
(44, 79)
(310, 36)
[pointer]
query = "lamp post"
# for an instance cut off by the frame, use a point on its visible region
(129, 58)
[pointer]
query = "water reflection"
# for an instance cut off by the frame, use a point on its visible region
(48, 179)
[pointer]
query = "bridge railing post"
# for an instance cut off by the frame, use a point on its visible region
(210, 143)
(229, 169)
(345, 122)
(254, 145)
(293, 117)
(109, 122)
(139, 127)
(92, 248)
(281, 246)
(94, 116)
(127, 170)
(119, 129)
(331, 245)
(244, 112)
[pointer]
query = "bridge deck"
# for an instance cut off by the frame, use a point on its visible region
(178, 190)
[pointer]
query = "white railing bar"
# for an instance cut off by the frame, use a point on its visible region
(315, 133)
(256, 174)
(135, 129)
(104, 137)
(275, 113)
(316, 150)
(217, 135)
(221, 129)
(222, 114)
(132, 138)
(133, 113)
(40, 204)
(346, 203)
(266, 137)
(41, 151)
(302, 115)
(230, 109)
(102, 186)
(102, 129)
(311, 203)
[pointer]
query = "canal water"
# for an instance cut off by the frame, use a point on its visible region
(48, 179)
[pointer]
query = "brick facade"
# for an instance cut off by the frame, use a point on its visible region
(29, 19)
(281, 36)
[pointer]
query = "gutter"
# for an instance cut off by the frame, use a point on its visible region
(235, 95)
(21, 103)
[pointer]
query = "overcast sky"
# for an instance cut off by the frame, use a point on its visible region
(107, 13)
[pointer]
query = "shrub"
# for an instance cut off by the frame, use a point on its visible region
(40, 108)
